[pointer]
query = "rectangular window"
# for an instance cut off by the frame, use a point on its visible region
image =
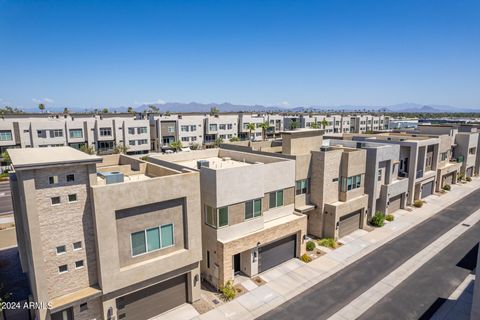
(185, 139)
(63, 268)
(79, 264)
(53, 180)
(141, 130)
(193, 128)
(55, 201)
(77, 245)
(142, 142)
(472, 150)
(208, 259)
(210, 216)
(138, 243)
(131, 130)
(222, 126)
(131, 142)
(83, 307)
(184, 128)
(223, 217)
(276, 199)
(253, 208)
(379, 174)
(105, 132)
(302, 186)
(72, 197)
(61, 249)
(443, 156)
(171, 129)
(167, 235)
(351, 183)
(229, 126)
(76, 133)
(70, 177)
(153, 239)
(56, 133)
(5, 135)
(194, 138)
(212, 127)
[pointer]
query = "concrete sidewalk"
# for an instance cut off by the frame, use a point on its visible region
(285, 283)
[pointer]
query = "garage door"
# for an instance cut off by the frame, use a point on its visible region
(349, 223)
(427, 189)
(448, 179)
(154, 300)
(277, 252)
(470, 172)
(394, 203)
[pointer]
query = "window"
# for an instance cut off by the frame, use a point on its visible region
(351, 183)
(131, 142)
(105, 132)
(194, 138)
(379, 174)
(63, 268)
(212, 127)
(76, 133)
(152, 239)
(184, 128)
(472, 150)
(302, 186)
(79, 264)
(253, 208)
(276, 199)
(131, 130)
(53, 180)
(222, 126)
(229, 126)
(61, 249)
(55, 201)
(171, 129)
(41, 133)
(141, 130)
(56, 133)
(5, 135)
(185, 139)
(142, 141)
(443, 156)
(208, 259)
(70, 177)
(216, 217)
(83, 307)
(193, 128)
(77, 245)
(72, 197)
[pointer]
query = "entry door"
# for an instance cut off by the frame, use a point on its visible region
(236, 263)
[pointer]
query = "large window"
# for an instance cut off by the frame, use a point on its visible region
(131, 130)
(5, 135)
(141, 130)
(184, 128)
(105, 132)
(302, 186)
(222, 126)
(56, 133)
(152, 239)
(216, 218)
(276, 199)
(443, 156)
(212, 127)
(350, 183)
(76, 133)
(253, 208)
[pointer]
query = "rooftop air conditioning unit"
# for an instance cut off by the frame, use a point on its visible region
(112, 177)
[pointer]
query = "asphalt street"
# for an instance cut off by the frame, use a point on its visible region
(5, 198)
(327, 297)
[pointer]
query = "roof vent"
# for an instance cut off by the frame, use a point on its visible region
(112, 177)
(203, 163)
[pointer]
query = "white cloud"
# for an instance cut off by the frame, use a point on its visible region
(158, 101)
(44, 100)
(285, 103)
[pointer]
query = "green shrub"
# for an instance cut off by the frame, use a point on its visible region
(305, 258)
(328, 242)
(418, 203)
(389, 217)
(461, 176)
(447, 187)
(468, 179)
(310, 246)
(378, 220)
(228, 291)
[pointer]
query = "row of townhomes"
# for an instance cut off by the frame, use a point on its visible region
(116, 237)
(143, 133)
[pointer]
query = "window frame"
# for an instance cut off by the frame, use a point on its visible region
(300, 190)
(66, 268)
(72, 201)
(253, 214)
(81, 267)
(146, 239)
(55, 204)
(56, 133)
(276, 199)
(68, 177)
(6, 133)
(77, 249)
(62, 252)
(70, 131)
(216, 215)
(55, 180)
(105, 131)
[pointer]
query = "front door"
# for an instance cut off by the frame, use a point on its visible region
(236, 263)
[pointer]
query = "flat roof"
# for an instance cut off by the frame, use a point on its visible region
(215, 163)
(37, 157)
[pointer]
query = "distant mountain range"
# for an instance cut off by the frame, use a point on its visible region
(177, 107)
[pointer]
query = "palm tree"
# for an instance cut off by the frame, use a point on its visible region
(314, 125)
(130, 110)
(324, 123)
(250, 127)
(214, 111)
(264, 125)
(41, 106)
(105, 110)
(66, 111)
(293, 124)
(177, 145)
(87, 149)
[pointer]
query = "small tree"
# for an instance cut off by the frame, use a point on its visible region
(324, 123)
(153, 108)
(6, 157)
(214, 111)
(315, 125)
(217, 142)
(66, 111)
(120, 149)
(130, 110)
(293, 124)
(234, 139)
(41, 106)
(250, 128)
(264, 126)
(87, 149)
(177, 145)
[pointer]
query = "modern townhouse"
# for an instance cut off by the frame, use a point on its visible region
(419, 156)
(330, 180)
(111, 240)
(220, 126)
(276, 124)
(473, 128)
(249, 223)
(387, 192)
(366, 123)
(244, 133)
(402, 124)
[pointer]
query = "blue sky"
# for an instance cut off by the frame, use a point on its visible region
(325, 52)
